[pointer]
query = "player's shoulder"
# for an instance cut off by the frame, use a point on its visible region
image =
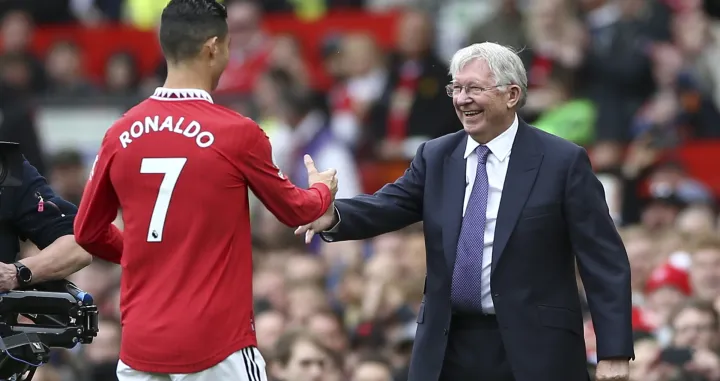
(135, 121)
(136, 112)
(235, 122)
(231, 116)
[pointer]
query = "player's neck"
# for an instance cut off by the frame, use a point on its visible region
(186, 78)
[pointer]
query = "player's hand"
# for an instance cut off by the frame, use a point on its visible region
(328, 177)
(325, 222)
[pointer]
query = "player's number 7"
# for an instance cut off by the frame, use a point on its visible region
(171, 168)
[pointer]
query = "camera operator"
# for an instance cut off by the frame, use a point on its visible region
(33, 211)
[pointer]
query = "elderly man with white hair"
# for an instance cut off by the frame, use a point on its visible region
(507, 211)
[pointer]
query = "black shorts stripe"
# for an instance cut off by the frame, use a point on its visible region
(257, 367)
(249, 365)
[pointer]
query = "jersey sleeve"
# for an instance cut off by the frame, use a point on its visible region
(99, 206)
(293, 206)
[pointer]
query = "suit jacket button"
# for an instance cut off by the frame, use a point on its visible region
(445, 331)
(496, 295)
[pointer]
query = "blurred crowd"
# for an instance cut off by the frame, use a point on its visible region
(632, 80)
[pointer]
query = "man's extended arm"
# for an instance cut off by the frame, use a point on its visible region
(393, 207)
(47, 220)
(602, 260)
(291, 205)
(57, 261)
(94, 230)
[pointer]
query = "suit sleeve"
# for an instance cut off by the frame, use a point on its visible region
(393, 207)
(40, 215)
(94, 230)
(602, 260)
(291, 205)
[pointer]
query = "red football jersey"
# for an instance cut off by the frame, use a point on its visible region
(180, 168)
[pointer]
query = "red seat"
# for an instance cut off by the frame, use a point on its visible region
(702, 160)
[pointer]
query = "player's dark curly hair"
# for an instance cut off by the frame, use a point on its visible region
(187, 24)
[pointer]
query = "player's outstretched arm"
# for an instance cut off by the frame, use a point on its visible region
(293, 206)
(94, 230)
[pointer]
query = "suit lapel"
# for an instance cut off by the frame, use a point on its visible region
(453, 197)
(525, 159)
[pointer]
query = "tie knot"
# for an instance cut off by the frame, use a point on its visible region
(482, 153)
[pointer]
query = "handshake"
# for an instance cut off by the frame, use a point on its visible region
(327, 220)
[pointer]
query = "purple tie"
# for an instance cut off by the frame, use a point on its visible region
(465, 289)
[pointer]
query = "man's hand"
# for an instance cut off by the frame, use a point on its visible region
(8, 277)
(613, 370)
(326, 177)
(325, 222)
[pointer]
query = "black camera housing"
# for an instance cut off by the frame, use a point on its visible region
(62, 316)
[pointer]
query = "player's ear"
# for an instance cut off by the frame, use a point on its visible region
(213, 45)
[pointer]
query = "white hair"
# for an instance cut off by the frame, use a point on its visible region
(506, 66)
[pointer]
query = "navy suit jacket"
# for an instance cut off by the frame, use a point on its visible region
(552, 214)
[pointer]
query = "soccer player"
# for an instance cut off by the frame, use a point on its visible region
(180, 167)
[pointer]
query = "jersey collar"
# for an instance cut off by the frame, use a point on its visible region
(165, 94)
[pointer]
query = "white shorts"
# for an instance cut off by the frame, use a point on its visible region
(246, 364)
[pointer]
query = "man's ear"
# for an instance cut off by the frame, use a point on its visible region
(514, 98)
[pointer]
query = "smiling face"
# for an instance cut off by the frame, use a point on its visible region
(485, 107)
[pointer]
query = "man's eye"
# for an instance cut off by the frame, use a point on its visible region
(457, 89)
(474, 89)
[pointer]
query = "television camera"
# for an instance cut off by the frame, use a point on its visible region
(58, 315)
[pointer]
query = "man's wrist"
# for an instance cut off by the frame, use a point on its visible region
(10, 273)
(335, 221)
(336, 216)
(325, 193)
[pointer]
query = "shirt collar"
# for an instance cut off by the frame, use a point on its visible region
(165, 94)
(500, 146)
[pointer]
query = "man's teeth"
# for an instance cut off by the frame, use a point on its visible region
(471, 113)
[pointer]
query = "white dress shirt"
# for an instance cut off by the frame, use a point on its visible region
(496, 167)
